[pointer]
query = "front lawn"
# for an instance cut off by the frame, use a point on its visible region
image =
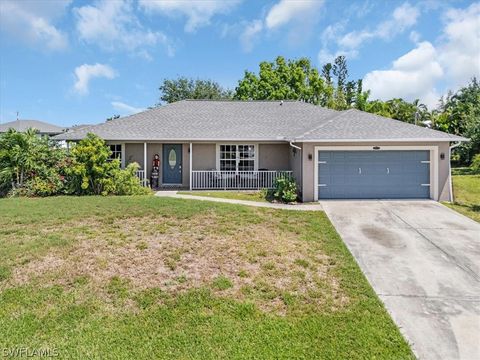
(237, 195)
(148, 277)
(466, 189)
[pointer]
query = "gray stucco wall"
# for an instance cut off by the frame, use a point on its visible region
(203, 157)
(273, 156)
(134, 153)
(295, 163)
(308, 178)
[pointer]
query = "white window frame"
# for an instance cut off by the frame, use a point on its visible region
(255, 159)
(433, 162)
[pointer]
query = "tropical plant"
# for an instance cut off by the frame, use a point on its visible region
(30, 164)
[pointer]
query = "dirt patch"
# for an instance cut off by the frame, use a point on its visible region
(264, 262)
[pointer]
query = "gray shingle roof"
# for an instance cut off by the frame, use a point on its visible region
(359, 125)
(196, 120)
(22, 125)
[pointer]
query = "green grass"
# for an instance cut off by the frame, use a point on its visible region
(237, 195)
(147, 277)
(466, 189)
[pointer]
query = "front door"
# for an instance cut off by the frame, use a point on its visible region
(172, 163)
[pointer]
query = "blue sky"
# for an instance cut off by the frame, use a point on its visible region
(75, 62)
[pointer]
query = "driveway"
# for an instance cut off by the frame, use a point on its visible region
(423, 260)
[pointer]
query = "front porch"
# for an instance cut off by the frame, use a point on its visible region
(209, 166)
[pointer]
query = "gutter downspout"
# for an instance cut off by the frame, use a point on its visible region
(458, 143)
(301, 164)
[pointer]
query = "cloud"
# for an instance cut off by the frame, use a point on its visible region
(84, 73)
(460, 50)
(198, 13)
(112, 25)
(287, 10)
(32, 22)
(249, 34)
(403, 18)
(302, 14)
(418, 73)
(411, 76)
(125, 108)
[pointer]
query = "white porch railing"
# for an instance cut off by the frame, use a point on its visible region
(225, 180)
(141, 175)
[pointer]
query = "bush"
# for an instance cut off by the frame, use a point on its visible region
(285, 189)
(126, 182)
(93, 173)
(30, 165)
(475, 167)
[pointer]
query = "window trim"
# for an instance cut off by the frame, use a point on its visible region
(255, 159)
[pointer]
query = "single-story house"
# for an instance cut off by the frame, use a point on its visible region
(42, 127)
(203, 144)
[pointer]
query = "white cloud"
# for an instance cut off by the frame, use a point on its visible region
(412, 76)
(403, 18)
(460, 50)
(113, 26)
(125, 108)
(287, 10)
(32, 21)
(198, 13)
(247, 37)
(418, 73)
(84, 73)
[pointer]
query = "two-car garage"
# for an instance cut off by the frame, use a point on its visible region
(373, 173)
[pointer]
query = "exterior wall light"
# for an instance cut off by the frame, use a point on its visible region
(310, 157)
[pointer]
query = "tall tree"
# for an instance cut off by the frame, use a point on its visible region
(459, 113)
(184, 88)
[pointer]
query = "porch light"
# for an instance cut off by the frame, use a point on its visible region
(310, 157)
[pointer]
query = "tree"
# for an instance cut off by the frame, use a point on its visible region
(282, 80)
(184, 88)
(459, 113)
(299, 80)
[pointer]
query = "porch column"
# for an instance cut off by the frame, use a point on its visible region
(145, 160)
(190, 168)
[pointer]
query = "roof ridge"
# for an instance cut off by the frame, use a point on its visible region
(323, 124)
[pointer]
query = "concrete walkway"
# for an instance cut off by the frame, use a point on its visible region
(422, 259)
(297, 207)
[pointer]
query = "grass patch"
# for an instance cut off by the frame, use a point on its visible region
(145, 277)
(222, 283)
(236, 195)
(466, 189)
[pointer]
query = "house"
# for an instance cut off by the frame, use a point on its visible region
(204, 144)
(43, 128)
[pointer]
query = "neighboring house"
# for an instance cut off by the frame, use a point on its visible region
(22, 125)
(246, 144)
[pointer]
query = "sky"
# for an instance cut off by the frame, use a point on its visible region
(71, 62)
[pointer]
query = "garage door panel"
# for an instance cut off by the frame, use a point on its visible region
(373, 174)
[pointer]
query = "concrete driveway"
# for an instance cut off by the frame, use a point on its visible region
(423, 260)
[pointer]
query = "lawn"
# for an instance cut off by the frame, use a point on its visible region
(237, 195)
(466, 189)
(148, 277)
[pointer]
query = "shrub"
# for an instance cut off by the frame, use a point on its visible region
(126, 182)
(475, 166)
(30, 165)
(92, 173)
(285, 189)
